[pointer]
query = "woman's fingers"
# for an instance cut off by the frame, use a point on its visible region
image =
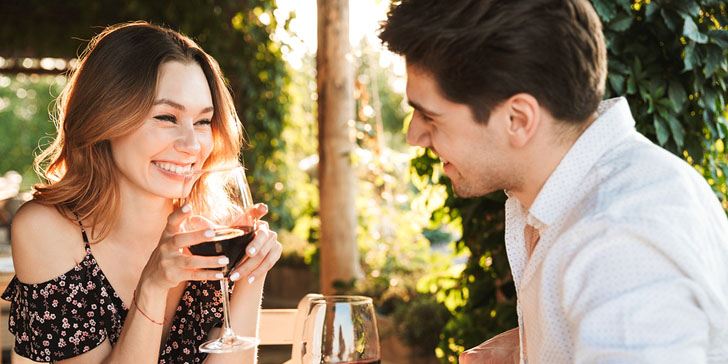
(184, 240)
(251, 215)
(263, 252)
(258, 211)
(203, 275)
(261, 237)
(176, 218)
(270, 260)
(200, 262)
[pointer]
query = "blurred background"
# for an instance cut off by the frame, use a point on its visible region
(434, 264)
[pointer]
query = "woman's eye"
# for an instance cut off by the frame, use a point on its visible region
(204, 122)
(169, 118)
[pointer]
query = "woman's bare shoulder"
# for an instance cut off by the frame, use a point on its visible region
(45, 244)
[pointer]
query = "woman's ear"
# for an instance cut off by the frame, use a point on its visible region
(524, 114)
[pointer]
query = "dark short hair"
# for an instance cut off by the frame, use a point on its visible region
(482, 52)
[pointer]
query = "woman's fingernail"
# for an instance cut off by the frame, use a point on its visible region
(235, 276)
(209, 233)
(223, 260)
(251, 251)
(218, 275)
(186, 208)
(251, 279)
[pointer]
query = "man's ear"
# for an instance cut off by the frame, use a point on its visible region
(524, 113)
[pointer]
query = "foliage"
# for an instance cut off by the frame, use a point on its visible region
(24, 101)
(418, 320)
(668, 58)
(236, 33)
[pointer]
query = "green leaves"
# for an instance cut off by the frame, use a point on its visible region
(714, 60)
(621, 22)
(691, 31)
(676, 91)
(662, 132)
(605, 8)
(690, 58)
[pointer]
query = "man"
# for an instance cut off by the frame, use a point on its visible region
(619, 250)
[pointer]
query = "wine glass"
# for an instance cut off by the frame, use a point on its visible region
(340, 329)
(221, 201)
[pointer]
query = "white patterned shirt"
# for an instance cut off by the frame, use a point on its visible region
(632, 261)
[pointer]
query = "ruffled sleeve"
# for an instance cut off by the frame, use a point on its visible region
(57, 319)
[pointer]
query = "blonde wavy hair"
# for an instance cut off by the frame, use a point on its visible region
(107, 96)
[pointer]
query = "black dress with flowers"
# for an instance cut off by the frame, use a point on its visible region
(76, 311)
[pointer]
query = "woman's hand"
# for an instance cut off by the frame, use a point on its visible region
(170, 264)
(262, 253)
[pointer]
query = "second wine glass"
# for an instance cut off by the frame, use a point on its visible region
(341, 330)
(224, 207)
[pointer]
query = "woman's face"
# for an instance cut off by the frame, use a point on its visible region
(174, 139)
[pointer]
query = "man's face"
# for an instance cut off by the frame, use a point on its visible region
(474, 155)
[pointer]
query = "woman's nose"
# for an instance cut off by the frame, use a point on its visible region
(188, 141)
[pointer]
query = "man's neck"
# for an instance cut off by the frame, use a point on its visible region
(543, 158)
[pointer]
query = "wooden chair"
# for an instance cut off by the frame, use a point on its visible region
(282, 326)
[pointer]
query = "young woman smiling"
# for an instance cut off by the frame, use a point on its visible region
(145, 108)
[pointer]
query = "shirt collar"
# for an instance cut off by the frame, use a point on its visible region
(613, 123)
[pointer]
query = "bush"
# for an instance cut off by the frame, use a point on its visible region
(24, 104)
(418, 320)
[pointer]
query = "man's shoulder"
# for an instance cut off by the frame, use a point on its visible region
(640, 173)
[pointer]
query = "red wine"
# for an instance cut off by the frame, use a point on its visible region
(230, 242)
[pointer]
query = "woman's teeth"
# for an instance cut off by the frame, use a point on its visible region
(174, 168)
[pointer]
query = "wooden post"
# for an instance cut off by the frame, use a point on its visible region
(335, 81)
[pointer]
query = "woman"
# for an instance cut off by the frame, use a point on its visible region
(144, 106)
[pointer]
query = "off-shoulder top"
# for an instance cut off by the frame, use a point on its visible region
(78, 310)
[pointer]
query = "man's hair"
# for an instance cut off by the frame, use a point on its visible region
(482, 52)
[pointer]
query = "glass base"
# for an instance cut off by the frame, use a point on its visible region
(229, 344)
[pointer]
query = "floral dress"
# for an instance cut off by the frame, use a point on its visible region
(77, 311)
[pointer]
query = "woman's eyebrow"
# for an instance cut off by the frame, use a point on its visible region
(181, 107)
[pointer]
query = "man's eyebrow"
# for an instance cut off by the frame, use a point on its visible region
(421, 108)
(179, 106)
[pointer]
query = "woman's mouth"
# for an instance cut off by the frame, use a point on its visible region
(182, 170)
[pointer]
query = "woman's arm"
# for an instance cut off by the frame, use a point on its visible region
(167, 267)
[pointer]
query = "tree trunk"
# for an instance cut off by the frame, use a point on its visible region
(335, 80)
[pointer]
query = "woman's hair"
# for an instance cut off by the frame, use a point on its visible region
(109, 95)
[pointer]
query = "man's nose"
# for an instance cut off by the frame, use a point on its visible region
(417, 134)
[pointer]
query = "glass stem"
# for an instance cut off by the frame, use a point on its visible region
(227, 331)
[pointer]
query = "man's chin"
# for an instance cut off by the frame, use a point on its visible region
(461, 192)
